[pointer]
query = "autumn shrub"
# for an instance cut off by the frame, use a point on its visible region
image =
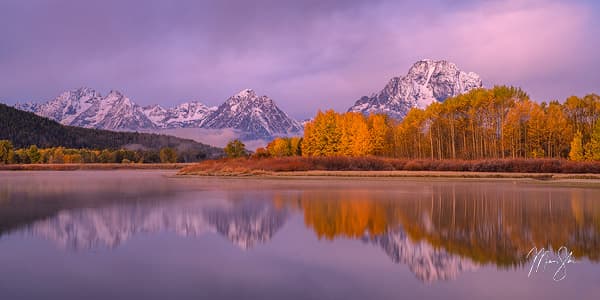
(579, 167)
(372, 163)
(414, 165)
(282, 164)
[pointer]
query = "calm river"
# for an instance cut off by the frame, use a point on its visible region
(148, 235)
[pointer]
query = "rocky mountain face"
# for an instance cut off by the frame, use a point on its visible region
(256, 117)
(186, 115)
(85, 107)
(427, 81)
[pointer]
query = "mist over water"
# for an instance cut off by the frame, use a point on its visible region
(213, 137)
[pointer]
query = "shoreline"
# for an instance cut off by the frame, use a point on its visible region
(174, 172)
(400, 174)
(592, 178)
(92, 166)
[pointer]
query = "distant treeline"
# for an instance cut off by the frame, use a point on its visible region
(59, 155)
(25, 129)
(497, 123)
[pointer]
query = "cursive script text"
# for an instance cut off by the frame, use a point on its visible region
(544, 257)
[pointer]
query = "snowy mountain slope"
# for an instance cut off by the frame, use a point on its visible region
(66, 107)
(84, 107)
(114, 112)
(155, 113)
(186, 115)
(257, 116)
(427, 81)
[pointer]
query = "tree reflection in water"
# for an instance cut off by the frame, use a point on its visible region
(437, 229)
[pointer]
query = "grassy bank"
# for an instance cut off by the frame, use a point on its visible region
(377, 166)
(91, 166)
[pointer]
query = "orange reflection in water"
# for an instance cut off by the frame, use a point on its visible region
(487, 223)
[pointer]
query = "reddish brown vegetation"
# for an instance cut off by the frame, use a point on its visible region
(370, 163)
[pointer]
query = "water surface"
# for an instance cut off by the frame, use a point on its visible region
(147, 235)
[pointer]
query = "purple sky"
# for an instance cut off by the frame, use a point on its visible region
(306, 55)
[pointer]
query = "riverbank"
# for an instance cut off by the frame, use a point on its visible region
(92, 166)
(401, 174)
(389, 167)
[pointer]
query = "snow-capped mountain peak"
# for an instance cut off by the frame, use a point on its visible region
(85, 107)
(186, 115)
(155, 113)
(427, 81)
(245, 93)
(67, 106)
(258, 116)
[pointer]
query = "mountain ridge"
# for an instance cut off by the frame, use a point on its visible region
(24, 129)
(258, 117)
(426, 82)
(246, 111)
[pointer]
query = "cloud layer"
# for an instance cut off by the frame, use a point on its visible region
(306, 55)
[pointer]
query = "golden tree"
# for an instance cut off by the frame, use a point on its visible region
(576, 152)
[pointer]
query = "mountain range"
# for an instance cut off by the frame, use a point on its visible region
(24, 129)
(257, 117)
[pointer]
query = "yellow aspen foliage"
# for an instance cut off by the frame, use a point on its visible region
(592, 148)
(308, 146)
(295, 146)
(576, 152)
(379, 131)
(496, 123)
(361, 144)
(279, 147)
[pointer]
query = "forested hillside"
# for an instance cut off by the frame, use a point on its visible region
(24, 129)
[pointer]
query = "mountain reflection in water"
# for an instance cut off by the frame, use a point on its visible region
(437, 229)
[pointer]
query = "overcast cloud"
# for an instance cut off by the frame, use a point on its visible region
(306, 55)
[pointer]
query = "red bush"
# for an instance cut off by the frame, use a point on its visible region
(371, 163)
